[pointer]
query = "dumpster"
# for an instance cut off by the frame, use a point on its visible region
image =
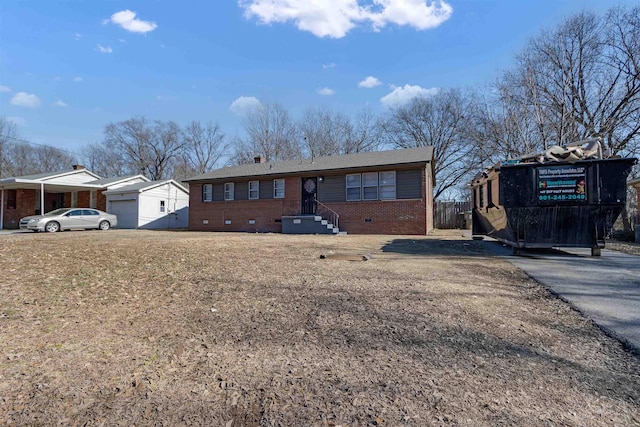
(559, 198)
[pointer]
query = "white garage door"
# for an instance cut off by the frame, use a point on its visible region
(127, 212)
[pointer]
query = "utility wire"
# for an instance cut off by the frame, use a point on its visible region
(24, 141)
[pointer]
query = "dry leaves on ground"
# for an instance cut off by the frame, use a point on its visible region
(183, 328)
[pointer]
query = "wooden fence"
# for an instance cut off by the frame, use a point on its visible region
(449, 214)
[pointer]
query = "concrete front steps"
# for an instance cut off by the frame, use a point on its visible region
(308, 224)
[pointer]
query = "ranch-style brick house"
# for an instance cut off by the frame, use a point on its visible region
(384, 192)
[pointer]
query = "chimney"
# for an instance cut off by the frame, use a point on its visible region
(77, 167)
(258, 159)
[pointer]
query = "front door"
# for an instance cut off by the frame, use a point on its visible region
(309, 191)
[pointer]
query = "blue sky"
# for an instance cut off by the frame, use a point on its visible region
(67, 68)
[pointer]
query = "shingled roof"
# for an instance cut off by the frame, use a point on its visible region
(322, 164)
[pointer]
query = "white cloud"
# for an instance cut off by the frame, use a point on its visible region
(244, 103)
(4, 89)
(122, 40)
(23, 99)
(335, 18)
(419, 14)
(77, 79)
(77, 36)
(330, 65)
(18, 121)
(127, 20)
(325, 91)
(370, 82)
(59, 103)
(104, 49)
(404, 94)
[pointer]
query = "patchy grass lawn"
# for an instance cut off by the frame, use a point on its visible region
(181, 328)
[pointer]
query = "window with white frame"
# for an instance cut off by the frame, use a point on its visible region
(163, 207)
(254, 190)
(370, 186)
(207, 192)
(93, 199)
(353, 187)
(228, 190)
(387, 182)
(278, 188)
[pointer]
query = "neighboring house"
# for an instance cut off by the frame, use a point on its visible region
(26, 195)
(155, 204)
(385, 192)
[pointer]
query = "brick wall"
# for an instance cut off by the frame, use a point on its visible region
(382, 217)
(25, 206)
(235, 215)
(84, 199)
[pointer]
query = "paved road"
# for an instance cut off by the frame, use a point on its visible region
(606, 289)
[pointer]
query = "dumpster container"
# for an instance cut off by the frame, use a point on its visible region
(534, 204)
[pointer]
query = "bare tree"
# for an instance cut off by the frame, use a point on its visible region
(364, 134)
(148, 149)
(8, 135)
(501, 126)
(104, 161)
(583, 79)
(439, 121)
(204, 146)
(270, 133)
(319, 129)
(19, 157)
(327, 132)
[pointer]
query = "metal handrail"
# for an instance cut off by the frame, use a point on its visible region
(334, 217)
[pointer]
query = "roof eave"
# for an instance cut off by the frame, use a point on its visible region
(310, 171)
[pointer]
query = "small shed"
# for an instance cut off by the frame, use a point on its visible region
(150, 205)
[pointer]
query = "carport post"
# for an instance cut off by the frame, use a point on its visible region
(42, 212)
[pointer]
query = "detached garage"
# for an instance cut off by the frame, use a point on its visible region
(150, 205)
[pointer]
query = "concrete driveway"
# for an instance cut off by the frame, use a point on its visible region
(606, 289)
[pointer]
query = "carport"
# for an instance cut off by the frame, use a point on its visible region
(42, 191)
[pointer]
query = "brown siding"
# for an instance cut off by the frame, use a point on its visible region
(266, 189)
(332, 189)
(241, 190)
(409, 184)
(218, 192)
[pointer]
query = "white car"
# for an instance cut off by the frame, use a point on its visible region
(69, 218)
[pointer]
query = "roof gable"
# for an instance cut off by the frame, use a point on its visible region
(75, 176)
(140, 187)
(319, 164)
(120, 181)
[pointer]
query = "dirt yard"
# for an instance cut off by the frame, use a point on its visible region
(178, 328)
